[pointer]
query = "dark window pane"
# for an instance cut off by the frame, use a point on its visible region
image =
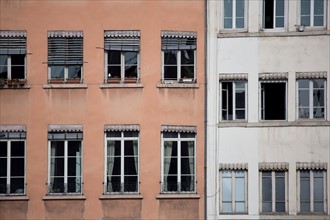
(74, 148)
(266, 192)
(57, 148)
(130, 148)
(187, 149)
(131, 134)
(187, 72)
(130, 58)
(17, 167)
(3, 167)
(3, 148)
(170, 57)
(17, 72)
(170, 134)
(275, 101)
(114, 72)
(74, 72)
(57, 72)
(3, 184)
(240, 99)
(318, 207)
(57, 167)
(56, 185)
(130, 71)
(114, 185)
(74, 184)
(130, 166)
(280, 207)
(170, 72)
(268, 13)
(114, 57)
(130, 184)
(74, 166)
(17, 59)
(17, 149)
(187, 57)
(187, 183)
(114, 134)
(116, 170)
(17, 185)
(187, 166)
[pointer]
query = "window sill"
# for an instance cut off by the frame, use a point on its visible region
(300, 123)
(121, 196)
(178, 85)
(14, 198)
(62, 197)
(15, 87)
(121, 85)
(64, 86)
(178, 196)
(307, 32)
(233, 213)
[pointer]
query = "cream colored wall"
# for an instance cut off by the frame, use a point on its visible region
(93, 107)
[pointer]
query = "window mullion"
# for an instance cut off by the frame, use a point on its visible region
(66, 72)
(312, 13)
(311, 191)
(9, 67)
(273, 191)
(233, 191)
(122, 157)
(8, 166)
(178, 65)
(179, 162)
(234, 101)
(310, 98)
(234, 14)
(66, 166)
(122, 65)
(274, 14)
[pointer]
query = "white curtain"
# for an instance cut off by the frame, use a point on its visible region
(136, 161)
(167, 161)
(78, 169)
(191, 146)
(110, 163)
(52, 165)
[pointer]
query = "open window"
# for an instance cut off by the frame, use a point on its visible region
(273, 14)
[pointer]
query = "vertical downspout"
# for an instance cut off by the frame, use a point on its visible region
(205, 107)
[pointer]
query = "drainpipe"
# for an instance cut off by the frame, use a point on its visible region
(205, 107)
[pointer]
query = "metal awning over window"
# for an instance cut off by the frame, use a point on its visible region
(12, 42)
(178, 128)
(65, 47)
(273, 76)
(178, 40)
(12, 131)
(126, 127)
(233, 166)
(311, 75)
(122, 40)
(233, 76)
(311, 166)
(276, 166)
(65, 132)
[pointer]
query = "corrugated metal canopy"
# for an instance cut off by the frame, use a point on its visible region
(233, 76)
(311, 166)
(278, 166)
(178, 34)
(12, 128)
(265, 76)
(233, 166)
(65, 34)
(13, 34)
(65, 128)
(178, 128)
(124, 127)
(122, 34)
(311, 75)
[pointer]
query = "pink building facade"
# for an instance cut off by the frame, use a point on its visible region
(102, 109)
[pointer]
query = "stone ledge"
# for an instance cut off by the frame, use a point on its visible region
(178, 196)
(299, 123)
(64, 86)
(178, 85)
(14, 198)
(121, 196)
(121, 85)
(63, 197)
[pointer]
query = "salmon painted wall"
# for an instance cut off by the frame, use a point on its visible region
(94, 107)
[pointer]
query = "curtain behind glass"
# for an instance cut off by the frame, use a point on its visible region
(167, 161)
(110, 163)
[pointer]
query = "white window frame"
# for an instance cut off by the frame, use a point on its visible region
(66, 73)
(234, 99)
(8, 157)
(65, 168)
(9, 66)
(178, 140)
(311, 26)
(312, 191)
(273, 179)
(178, 62)
(311, 102)
(222, 23)
(233, 189)
(122, 140)
(261, 108)
(262, 17)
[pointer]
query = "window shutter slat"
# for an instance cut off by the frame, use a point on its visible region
(122, 44)
(12, 45)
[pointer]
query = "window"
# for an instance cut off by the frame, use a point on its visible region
(233, 188)
(179, 56)
(273, 191)
(311, 96)
(273, 100)
(234, 14)
(65, 56)
(65, 162)
(273, 14)
(312, 187)
(122, 56)
(12, 162)
(12, 55)
(313, 13)
(178, 159)
(122, 159)
(233, 96)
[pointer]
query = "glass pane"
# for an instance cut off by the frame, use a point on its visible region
(114, 184)
(226, 173)
(240, 8)
(17, 167)
(240, 206)
(318, 20)
(318, 7)
(57, 167)
(130, 58)
(3, 148)
(318, 207)
(187, 165)
(228, 8)
(226, 189)
(131, 134)
(17, 185)
(187, 135)
(170, 134)
(74, 72)
(114, 57)
(3, 60)
(305, 207)
(3, 184)
(170, 148)
(57, 148)
(17, 149)
(74, 166)
(18, 59)
(303, 112)
(304, 191)
(228, 23)
(318, 187)
(114, 72)
(130, 184)
(239, 22)
(187, 72)
(170, 57)
(240, 99)
(114, 134)
(280, 189)
(56, 185)
(187, 57)
(116, 169)
(130, 166)
(129, 149)
(318, 98)
(187, 183)
(226, 206)
(280, 207)
(303, 83)
(130, 64)
(279, 8)
(280, 22)
(170, 72)
(318, 83)
(3, 165)
(240, 114)
(305, 20)
(240, 196)
(266, 189)
(268, 13)
(57, 72)
(74, 148)
(305, 7)
(74, 184)
(303, 98)
(17, 72)
(187, 148)
(266, 206)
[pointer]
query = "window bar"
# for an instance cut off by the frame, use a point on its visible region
(234, 14)
(234, 100)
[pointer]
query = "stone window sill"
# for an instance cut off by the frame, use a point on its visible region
(63, 197)
(178, 196)
(299, 123)
(121, 85)
(65, 86)
(14, 198)
(178, 85)
(121, 196)
(17, 87)
(307, 32)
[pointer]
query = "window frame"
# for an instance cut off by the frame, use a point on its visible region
(262, 101)
(9, 66)
(311, 13)
(8, 162)
(274, 28)
(234, 17)
(310, 90)
(234, 82)
(66, 158)
(66, 74)
(178, 139)
(122, 140)
(273, 191)
(311, 193)
(233, 191)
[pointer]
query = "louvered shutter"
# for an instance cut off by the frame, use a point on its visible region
(122, 40)
(12, 42)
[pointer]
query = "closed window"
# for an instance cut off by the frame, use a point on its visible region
(233, 190)
(179, 56)
(12, 55)
(311, 98)
(234, 14)
(178, 161)
(274, 14)
(12, 163)
(122, 161)
(65, 56)
(313, 13)
(122, 50)
(65, 162)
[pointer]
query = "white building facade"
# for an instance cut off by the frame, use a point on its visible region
(268, 109)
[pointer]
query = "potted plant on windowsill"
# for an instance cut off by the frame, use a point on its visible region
(73, 80)
(3, 82)
(56, 81)
(113, 80)
(22, 82)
